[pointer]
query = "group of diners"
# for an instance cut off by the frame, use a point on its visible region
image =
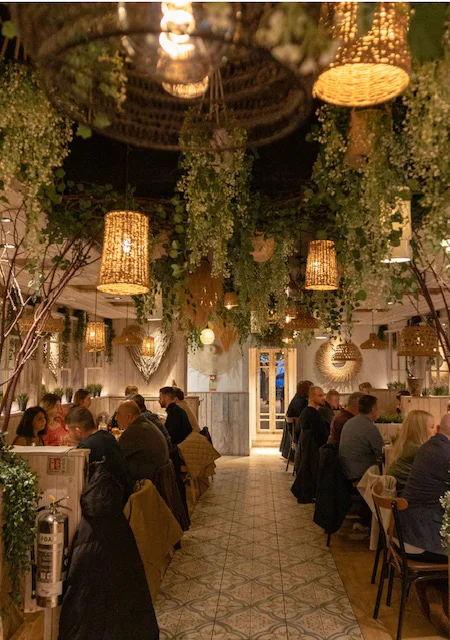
(419, 459)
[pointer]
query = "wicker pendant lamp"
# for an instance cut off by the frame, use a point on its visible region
(321, 266)
(124, 268)
(50, 325)
(230, 300)
(148, 347)
(346, 352)
(374, 342)
(304, 321)
(418, 341)
(226, 333)
(95, 337)
(127, 339)
(287, 336)
(402, 253)
(189, 91)
(291, 313)
(205, 291)
(370, 69)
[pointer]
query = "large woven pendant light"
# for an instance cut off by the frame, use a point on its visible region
(321, 266)
(402, 253)
(205, 293)
(124, 268)
(418, 341)
(226, 333)
(370, 69)
(346, 352)
(95, 337)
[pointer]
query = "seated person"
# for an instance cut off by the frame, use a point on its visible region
(361, 444)
(417, 428)
(103, 446)
(181, 402)
(330, 406)
(428, 480)
(82, 398)
(347, 412)
(131, 389)
(142, 443)
(56, 434)
(31, 428)
(177, 423)
(149, 415)
(298, 403)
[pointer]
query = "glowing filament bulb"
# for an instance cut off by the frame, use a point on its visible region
(176, 24)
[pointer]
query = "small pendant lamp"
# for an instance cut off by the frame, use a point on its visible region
(127, 338)
(95, 337)
(402, 253)
(321, 266)
(372, 68)
(346, 352)
(207, 336)
(287, 337)
(291, 314)
(304, 321)
(50, 325)
(230, 300)
(189, 91)
(124, 268)
(148, 347)
(374, 342)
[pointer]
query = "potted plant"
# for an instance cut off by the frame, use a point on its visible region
(91, 388)
(22, 400)
(98, 390)
(440, 391)
(58, 391)
(69, 394)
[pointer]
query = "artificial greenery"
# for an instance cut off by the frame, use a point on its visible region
(65, 337)
(392, 418)
(19, 503)
(68, 392)
(439, 391)
(109, 336)
(58, 391)
(22, 400)
(80, 331)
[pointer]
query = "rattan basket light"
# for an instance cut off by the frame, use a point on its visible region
(205, 291)
(321, 266)
(370, 69)
(50, 325)
(374, 342)
(124, 268)
(148, 347)
(127, 339)
(346, 352)
(95, 340)
(304, 321)
(418, 341)
(230, 300)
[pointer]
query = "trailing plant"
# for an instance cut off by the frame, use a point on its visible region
(109, 337)
(80, 330)
(19, 503)
(34, 137)
(65, 337)
(392, 418)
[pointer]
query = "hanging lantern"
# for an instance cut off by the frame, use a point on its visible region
(207, 336)
(402, 253)
(368, 69)
(95, 337)
(230, 300)
(189, 91)
(321, 266)
(127, 339)
(374, 342)
(50, 325)
(148, 347)
(205, 291)
(291, 314)
(124, 268)
(304, 321)
(346, 352)
(418, 341)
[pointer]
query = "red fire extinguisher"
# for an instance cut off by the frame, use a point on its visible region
(52, 553)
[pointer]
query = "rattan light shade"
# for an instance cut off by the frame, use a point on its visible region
(127, 339)
(287, 336)
(291, 313)
(189, 91)
(321, 266)
(370, 69)
(346, 352)
(124, 268)
(50, 325)
(95, 337)
(230, 300)
(374, 342)
(304, 321)
(205, 291)
(148, 347)
(418, 341)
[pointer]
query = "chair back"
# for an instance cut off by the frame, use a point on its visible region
(390, 527)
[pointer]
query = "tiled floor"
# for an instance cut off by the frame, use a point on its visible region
(253, 565)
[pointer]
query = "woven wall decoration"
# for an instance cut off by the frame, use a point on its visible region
(418, 341)
(338, 373)
(262, 248)
(266, 98)
(95, 340)
(230, 300)
(127, 339)
(147, 366)
(370, 69)
(321, 266)
(124, 268)
(214, 360)
(206, 292)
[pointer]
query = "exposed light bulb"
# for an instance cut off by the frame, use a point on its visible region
(176, 24)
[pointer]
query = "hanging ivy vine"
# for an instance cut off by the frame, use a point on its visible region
(109, 336)
(80, 331)
(65, 337)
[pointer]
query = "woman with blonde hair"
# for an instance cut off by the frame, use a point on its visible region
(417, 428)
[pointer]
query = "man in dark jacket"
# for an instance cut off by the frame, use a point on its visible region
(313, 434)
(103, 446)
(143, 445)
(177, 423)
(294, 410)
(427, 482)
(149, 415)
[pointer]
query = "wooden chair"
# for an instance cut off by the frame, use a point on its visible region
(290, 423)
(395, 560)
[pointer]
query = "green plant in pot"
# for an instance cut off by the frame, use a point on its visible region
(98, 390)
(58, 391)
(68, 392)
(92, 389)
(22, 400)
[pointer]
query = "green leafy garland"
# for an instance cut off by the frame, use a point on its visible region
(109, 337)
(80, 331)
(20, 501)
(65, 337)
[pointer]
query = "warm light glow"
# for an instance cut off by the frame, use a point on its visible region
(176, 24)
(207, 336)
(446, 244)
(188, 91)
(148, 347)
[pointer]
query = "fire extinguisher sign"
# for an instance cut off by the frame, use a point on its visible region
(61, 465)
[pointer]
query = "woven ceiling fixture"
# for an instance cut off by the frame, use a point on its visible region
(304, 321)
(205, 291)
(368, 69)
(346, 352)
(230, 300)
(402, 253)
(418, 341)
(374, 342)
(321, 266)
(127, 339)
(50, 325)
(148, 347)
(124, 268)
(95, 341)
(189, 91)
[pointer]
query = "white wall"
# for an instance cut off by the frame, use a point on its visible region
(375, 366)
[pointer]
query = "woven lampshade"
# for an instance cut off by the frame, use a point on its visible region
(370, 69)
(124, 268)
(95, 337)
(418, 341)
(346, 352)
(50, 325)
(374, 342)
(230, 300)
(205, 291)
(402, 253)
(207, 336)
(304, 321)
(321, 266)
(127, 339)
(189, 91)
(148, 347)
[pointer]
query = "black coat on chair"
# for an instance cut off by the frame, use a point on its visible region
(313, 434)
(333, 491)
(107, 595)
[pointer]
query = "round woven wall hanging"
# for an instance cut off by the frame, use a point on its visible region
(336, 372)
